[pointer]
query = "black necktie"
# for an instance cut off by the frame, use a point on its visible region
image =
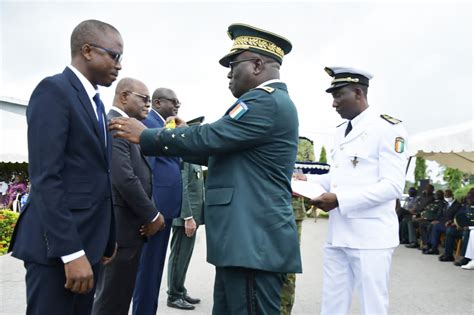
(348, 129)
(100, 115)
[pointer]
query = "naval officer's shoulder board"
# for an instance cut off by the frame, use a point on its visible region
(267, 89)
(390, 119)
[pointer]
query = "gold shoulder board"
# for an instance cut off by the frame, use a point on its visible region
(391, 119)
(267, 89)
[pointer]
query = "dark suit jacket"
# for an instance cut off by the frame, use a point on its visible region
(193, 195)
(131, 190)
(70, 205)
(167, 184)
(248, 213)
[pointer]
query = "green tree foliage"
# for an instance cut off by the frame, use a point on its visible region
(7, 223)
(305, 150)
(420, 170)
(461, 192)
(454, 178)
(322, 155)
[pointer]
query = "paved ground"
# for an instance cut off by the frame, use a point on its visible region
(419, 283)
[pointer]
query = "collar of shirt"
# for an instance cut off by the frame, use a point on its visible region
(121, 112)
(270, 82)
(159, 115)
(357, 120)
(90, 90)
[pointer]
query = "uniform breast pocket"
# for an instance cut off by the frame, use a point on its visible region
(219, 196)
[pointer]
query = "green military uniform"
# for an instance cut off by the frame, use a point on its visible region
(181, 245)
(305, 153)
(248, 214)
(250, 228)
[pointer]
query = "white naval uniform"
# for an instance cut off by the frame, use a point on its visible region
(367, 175)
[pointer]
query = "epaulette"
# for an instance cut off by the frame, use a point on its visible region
(391, 119)
(341, 124)
(266, 88)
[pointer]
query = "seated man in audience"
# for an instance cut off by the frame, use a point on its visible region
(463, 220)
(405, 214)
(433, 212)
(426, 198)
(439, 226)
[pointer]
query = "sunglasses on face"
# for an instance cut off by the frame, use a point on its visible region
(116, 56)
(174, 101)
(233, 63)
(145, 98)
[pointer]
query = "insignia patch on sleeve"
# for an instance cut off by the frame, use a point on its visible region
(238, 111)
(399, 144)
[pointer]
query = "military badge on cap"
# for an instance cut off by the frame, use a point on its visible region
(343, 76)
(399, 144)
(249, 38)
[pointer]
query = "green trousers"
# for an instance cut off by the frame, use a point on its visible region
(239, 290)
(288, 289)
(181, 251)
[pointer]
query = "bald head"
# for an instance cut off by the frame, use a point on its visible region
(88, 32)
(133, 97)
(126, 84)
(165, 102)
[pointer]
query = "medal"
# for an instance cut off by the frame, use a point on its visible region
(354, 161)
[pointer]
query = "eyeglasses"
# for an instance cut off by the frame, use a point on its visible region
(116, 56)
(232, 63)
(145, 98)
(175, 101)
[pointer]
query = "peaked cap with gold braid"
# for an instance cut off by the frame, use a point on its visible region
(343, 76)
(250, 38)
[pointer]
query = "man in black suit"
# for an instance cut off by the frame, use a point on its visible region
(136, 216)
(67, 226)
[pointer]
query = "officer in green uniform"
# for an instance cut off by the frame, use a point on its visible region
(251, 151)
(305, 154)
(184, 233)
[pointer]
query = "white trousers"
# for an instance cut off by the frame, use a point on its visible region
(470, 244)
(366, 270)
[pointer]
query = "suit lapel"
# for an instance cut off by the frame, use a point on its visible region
(112, 114)
(86, 104)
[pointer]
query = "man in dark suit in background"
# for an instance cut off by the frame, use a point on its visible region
(250, 228)
(167, 191)
(136, 216)
(66, 227)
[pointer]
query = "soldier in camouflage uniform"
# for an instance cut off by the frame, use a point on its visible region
(305, 153)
